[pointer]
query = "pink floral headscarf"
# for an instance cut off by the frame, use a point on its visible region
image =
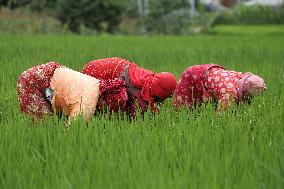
(250, 84)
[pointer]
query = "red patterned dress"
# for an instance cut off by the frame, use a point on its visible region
(222, 85)
(31, 89)
(190, 87)
(205, 82)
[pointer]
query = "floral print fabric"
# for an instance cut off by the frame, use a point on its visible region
(222, 84)
(190, 87)
(31, 89)
(205, 82)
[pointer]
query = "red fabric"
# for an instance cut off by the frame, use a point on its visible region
(190, 89)
(113, 93)
(142, 78)
(222, 85)
(108, 68)
(31, 87)
(161, 85)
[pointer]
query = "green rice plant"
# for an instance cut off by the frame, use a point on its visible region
(241, 148)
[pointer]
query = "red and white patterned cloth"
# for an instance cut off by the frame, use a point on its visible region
(201, 83)
(104, 69)
(222, 85)
(190, 87)
(31, 89)
(113, 93)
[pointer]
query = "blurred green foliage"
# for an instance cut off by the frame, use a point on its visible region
(251, 15)
(165, 17)
(12, 4)
(101, 15)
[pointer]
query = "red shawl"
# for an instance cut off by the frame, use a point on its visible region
(103, 69)
(161, 85)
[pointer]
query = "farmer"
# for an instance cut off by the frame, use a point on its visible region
(49, 87)
(201, 83)
(143, 86)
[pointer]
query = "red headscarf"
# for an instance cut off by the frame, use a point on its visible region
(161, 85)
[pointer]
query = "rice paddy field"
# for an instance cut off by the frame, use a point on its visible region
(242, 148)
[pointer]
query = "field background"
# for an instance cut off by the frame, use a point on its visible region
(239, 149)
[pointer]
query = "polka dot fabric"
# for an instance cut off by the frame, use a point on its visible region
(223, 85)
(104, 69)
(113, 93)
(190, 87)
(31, 86)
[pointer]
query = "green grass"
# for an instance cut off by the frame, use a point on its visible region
(248, 30)
(240, 149)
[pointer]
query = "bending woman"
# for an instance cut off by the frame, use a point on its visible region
(49, 87)
(143, 86)
(201, 83)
